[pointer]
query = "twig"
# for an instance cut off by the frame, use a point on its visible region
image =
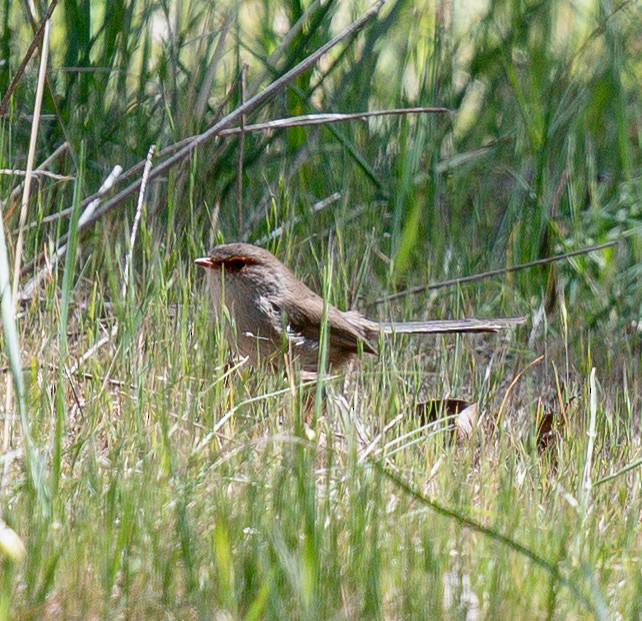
(93, 349)
(35, 173)
(25, 201)
(491, 273)
(320, 119)
(57, 153)
(130, 172)
(139, 210)
(107, 185)
(30, 158)
(239, 171)
(92, 201)
(32, 48)
(250, 105)
(325, 118)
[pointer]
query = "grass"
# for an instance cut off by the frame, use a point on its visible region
(161, 482)
(160, 510)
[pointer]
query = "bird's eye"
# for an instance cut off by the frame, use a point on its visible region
(235, 265)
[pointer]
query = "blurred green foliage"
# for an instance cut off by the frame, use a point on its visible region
(544, 131)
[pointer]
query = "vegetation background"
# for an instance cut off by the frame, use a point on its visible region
(142, 477)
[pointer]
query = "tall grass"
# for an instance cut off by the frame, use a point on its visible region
(183, 487)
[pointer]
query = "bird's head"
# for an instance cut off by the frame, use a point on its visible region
(246, 265)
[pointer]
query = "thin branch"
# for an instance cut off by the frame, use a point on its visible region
(17, 260)
(295, 121)
(505, 270)
(250, 105)
(239, 171)
(129, 275)
(32, 48)
(110, 336)
(318, 206)
(130, 172)
(35, 173)
(325, 118)
(48, 160)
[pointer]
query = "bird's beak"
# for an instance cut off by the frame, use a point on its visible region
(206, 262)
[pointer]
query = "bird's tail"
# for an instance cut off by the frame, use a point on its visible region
(449, 326)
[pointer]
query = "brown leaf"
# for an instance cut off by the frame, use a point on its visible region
(465, 414)
(466, 422)
(546, 426)
(552, 418)
(433, 409)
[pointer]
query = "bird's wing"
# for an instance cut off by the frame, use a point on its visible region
(344, 334)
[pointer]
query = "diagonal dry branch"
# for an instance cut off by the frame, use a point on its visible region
(122, 176)
(498, 272)
(27, 57)
(250, 105)
(306, 120)
(201, 139)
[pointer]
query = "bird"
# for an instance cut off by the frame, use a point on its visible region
(275, 313)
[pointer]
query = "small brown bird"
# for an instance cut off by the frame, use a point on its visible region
(275, 312)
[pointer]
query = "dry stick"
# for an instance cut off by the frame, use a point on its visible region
(316, 208)
(59, 151)
(297, 121)
(306, 120)
(34, 43)
(31, 15)
(491, 273)
(319, 119)
(326, 118)
(248, 106)
(129, 273)
(93, 349)
(30, 158)
(107, 185)
(239, 172)
(130, 172)
(8, 427)
(36, 173)
(128, 262)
